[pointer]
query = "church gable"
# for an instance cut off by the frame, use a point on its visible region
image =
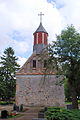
(33, 86)
(34, 65)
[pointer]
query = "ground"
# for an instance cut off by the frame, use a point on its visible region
(30, 112)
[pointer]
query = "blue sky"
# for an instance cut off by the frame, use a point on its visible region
(19, 19)
(58, 4)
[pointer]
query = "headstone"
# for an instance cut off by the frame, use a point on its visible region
(21, 108)
(45, 109)
(4, 114)
(17, 108)
(69, 107)
(39, 119)
(41, 114)
(14, 107)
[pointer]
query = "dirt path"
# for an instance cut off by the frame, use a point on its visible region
(32, 112)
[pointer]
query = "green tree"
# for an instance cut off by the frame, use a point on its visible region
(8, 69)
(2, 86)
(66, 50)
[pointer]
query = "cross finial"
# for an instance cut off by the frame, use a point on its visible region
(40, 16)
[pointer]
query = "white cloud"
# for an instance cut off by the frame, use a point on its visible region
(21, 60)
(70, 11)
(22, 16)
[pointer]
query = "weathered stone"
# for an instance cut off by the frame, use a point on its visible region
(32, 91)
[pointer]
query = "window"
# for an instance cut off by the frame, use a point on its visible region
(34, 63)
(45, 63)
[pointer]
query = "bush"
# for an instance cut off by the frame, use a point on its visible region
(62, 114)
(6, 102)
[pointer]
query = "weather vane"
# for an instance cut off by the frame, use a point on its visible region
(40, 16)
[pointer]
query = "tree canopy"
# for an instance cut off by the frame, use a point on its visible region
(66, 50)
(8, 69)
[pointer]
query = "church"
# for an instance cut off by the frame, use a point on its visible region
(32, 89)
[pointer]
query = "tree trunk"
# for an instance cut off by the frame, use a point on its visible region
(74, 97)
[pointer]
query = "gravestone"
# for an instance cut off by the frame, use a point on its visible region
(41, 115)
(21, 108)
(4, 114)
(41, 112)
(39, 119)
(17, 108)
(45, 109)
(14, 107)
(69, 107)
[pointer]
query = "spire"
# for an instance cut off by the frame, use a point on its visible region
(40, 28)
(40, 37)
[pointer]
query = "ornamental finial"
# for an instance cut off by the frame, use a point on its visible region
(40, 16)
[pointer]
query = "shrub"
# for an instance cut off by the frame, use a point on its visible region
(6, 102)
(62, 114)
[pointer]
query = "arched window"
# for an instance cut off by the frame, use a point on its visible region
(45, 63)
(34, 63)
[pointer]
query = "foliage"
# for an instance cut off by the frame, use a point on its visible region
(67, 90)
(48, 61)
(6, 102)
(68, 93)
(62, 114)
(7, 74)
(66, 50)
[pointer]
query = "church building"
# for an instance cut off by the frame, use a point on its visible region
(32, 89)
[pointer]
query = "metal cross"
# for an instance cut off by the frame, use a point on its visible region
(40, 16)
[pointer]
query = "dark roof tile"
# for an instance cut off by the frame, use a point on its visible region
(40, 29)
